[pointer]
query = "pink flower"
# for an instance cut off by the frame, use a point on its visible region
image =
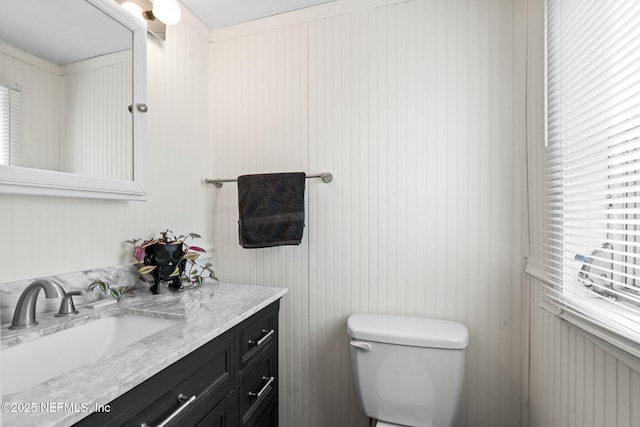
(140, 253)
(196, 248)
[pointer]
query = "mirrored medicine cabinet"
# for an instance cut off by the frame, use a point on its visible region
(72, 94)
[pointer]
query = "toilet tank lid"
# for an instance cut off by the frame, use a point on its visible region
(411, 331)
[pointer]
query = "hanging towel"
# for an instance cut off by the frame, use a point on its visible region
(271, 208)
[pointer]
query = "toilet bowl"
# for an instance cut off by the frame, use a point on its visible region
(408, 371)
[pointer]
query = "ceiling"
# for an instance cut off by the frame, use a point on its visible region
(224, 13)
(79, 30)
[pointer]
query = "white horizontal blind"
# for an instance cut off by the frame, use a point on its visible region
(10, 127)
(593, 160)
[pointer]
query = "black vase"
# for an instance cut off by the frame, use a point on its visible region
(165, 257)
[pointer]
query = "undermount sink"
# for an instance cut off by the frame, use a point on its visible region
(34, 362)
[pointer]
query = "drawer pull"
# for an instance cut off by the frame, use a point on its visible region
(263, 339)
(181, 398)
(264, 388)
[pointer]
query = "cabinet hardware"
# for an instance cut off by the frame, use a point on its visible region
(263, 339)
(181, 398)
(264, 388)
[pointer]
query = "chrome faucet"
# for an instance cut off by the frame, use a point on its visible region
(66, 306)
(25, 314)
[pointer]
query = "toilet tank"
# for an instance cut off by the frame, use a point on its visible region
(408, 370)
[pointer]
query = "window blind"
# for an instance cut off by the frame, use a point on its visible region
(593, 161)
(10, 124)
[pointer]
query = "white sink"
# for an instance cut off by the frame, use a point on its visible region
(34, 362)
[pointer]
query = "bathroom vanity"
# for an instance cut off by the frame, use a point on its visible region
(229, 381)
(216, 365)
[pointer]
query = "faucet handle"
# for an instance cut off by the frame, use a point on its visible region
(66, 306)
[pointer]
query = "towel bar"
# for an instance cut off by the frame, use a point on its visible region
(325, 176)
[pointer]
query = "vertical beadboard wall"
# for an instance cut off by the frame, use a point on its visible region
(98, 126)
(47, 235)
(576, 380)
(260, 124)
(417, 108)
(41, 93)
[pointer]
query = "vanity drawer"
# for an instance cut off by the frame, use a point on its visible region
(224, 414)
(258, 386)
(206, 384)
(269, 418)
(204, 373)
(257, 336)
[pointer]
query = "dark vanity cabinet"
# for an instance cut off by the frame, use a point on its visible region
(230, 381)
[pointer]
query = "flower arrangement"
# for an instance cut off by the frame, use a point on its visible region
(170, 258)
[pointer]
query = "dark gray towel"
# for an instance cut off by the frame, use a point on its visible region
(271, 209)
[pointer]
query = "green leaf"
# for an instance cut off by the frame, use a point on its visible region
(115, 293)
(176, 272)
(194, 236)
(104, 286)
(147, 269)
(191, 255)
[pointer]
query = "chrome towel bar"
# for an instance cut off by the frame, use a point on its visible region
(325, 176)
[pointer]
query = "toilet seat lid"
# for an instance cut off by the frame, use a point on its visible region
(410, 331)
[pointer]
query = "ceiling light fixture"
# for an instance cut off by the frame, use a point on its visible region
(168, 11)
(134, 9)
(157, 14)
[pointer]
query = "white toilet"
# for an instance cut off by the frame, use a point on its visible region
(408, 371)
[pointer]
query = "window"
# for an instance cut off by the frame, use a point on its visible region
(10, 126)
(593, 161)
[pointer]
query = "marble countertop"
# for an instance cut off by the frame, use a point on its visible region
(203, 314)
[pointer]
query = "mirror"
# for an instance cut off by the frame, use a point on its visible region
(72, 91)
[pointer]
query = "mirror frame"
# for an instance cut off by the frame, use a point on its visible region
(22, 180)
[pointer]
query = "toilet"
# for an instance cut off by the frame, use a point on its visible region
(408, 371)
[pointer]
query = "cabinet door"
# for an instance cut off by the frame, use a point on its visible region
(225, 414)
(269, 418)
(258, 386)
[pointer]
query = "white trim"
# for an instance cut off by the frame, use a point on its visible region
(30, 59)
(97, 62)
(623, 349)
(194, 23)
(19, 180)
(296, 17)
(538, 270)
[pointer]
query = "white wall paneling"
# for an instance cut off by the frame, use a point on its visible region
(259, 124)
(577, 379)
(98, 91)
(417, 108)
